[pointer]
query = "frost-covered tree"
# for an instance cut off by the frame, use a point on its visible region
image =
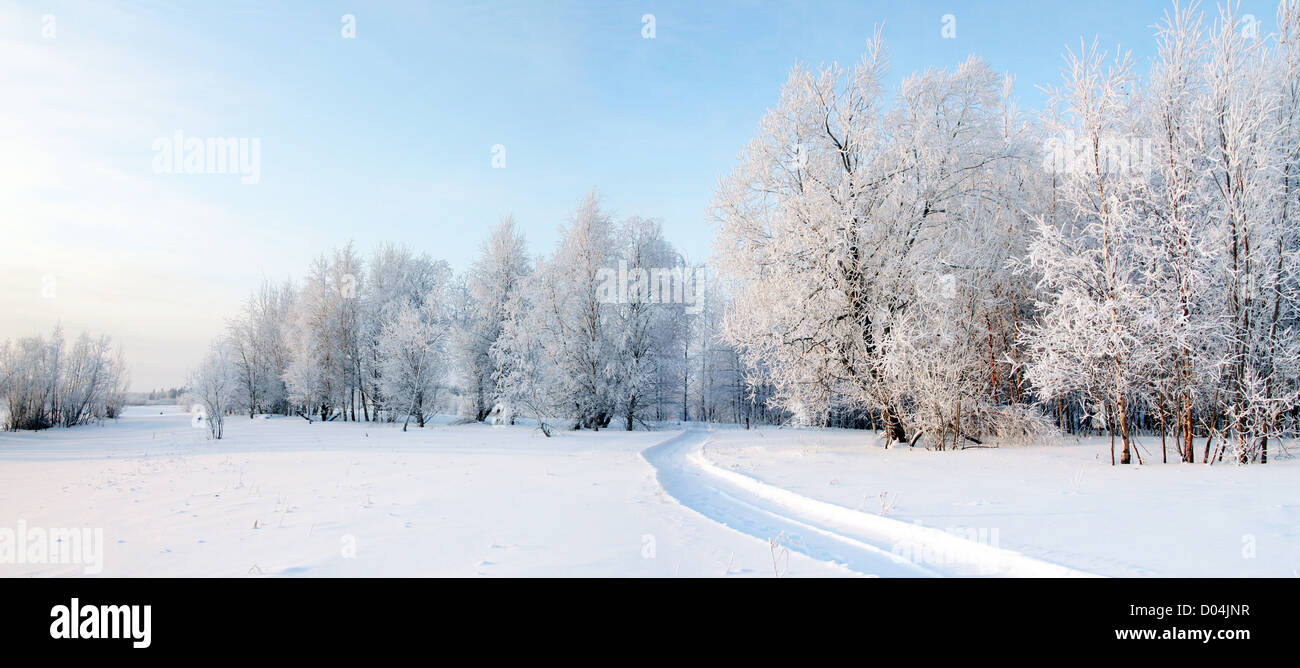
(259, 348)
(215, 386)
(499, 271)
(325, 337)
(46, 383)
(557, 352)
(396, 276)
(413, 354)
(1097, 328)
(645, 309)
(314, 377)
(527, 378)
(92, 382)
(1281, 370)
(845, 210)
(32, 371)
(1180, 268)
(1252, 147)
(347, 275)
(1174, 266)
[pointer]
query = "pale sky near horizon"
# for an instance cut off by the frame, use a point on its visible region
(388, 136)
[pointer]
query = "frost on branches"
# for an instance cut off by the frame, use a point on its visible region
(932, 261)
(868, 238)
(929, 261)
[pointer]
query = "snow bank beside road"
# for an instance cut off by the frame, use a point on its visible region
(1060, 504)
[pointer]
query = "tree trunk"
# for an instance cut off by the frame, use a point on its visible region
(1110, 426)
(1164, 454)
(1124, 455)
(894, 426)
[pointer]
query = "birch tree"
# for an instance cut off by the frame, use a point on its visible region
(215, 386)
(499, 271)
(413, 350)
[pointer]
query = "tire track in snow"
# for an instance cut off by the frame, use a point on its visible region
(863, 542)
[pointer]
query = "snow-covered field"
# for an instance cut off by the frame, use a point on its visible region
(280, 496)
(283, 497)
(1064, 504)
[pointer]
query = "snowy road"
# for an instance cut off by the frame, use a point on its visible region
(866, 543)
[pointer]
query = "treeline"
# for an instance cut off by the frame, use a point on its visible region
(930, 261)
(579, 337)
(935, 262)
(170, 393)
(44, 382)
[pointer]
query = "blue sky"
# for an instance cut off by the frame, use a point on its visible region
(389, 136)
